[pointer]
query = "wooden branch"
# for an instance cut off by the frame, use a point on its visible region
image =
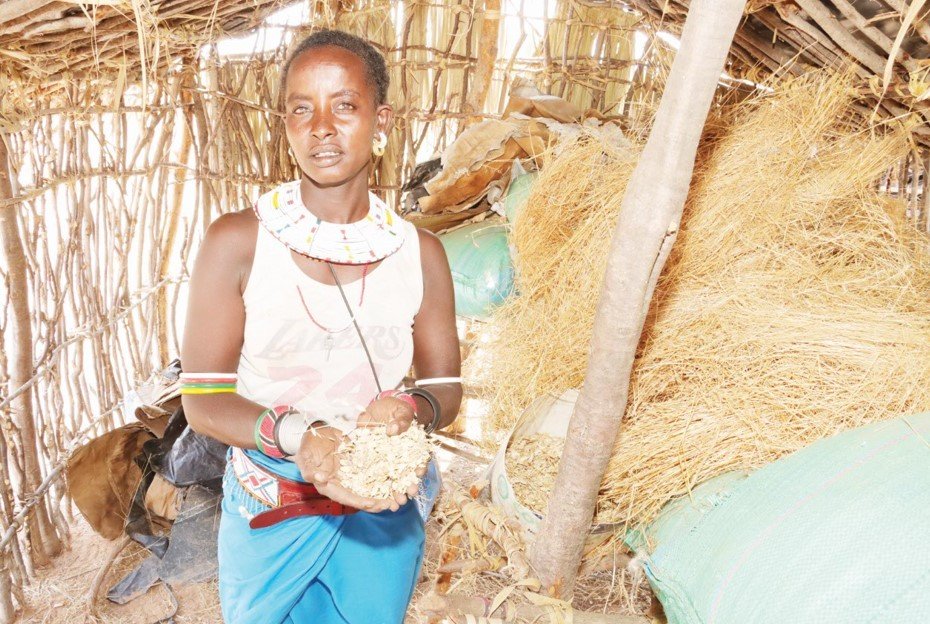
(116, 547)
(922, 27)
(878, 37)
(792, 15)
(832, 27)
(926, 198)
(7, 610)
(802, 36)
(67, 23)
(13, 9)
(487, 56)
(44, 366)
(40, 532)
(37, 496)
(54, 12)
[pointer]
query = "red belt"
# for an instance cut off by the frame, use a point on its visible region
(295, 499)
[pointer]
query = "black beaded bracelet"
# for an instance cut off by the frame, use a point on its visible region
(433, 403)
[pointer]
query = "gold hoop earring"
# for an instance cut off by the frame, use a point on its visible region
(378, 145)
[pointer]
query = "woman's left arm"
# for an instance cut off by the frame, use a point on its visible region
(435, 340)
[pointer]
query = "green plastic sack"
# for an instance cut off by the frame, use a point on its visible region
(482, 272)
(838, 532)
(517, 194)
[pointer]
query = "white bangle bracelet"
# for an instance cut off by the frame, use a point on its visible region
(437, 380)
(291, 429)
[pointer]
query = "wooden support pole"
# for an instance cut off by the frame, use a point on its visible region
(645, 231)
(18, 341)
(165, 318)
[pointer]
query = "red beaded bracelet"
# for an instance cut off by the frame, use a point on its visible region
(403, 396)
(266, 430)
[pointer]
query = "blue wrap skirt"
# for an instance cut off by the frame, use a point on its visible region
(355, 569)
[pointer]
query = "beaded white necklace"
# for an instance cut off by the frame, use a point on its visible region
(281, 211)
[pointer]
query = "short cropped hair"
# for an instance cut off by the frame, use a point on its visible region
(375, 67)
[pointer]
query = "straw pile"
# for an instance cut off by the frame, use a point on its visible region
(532, 466)
(795, 303)
(374, 464)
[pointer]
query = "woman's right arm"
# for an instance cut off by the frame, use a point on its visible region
(213, 332)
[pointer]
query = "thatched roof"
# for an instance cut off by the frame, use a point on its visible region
(44, 40)
(790, 36)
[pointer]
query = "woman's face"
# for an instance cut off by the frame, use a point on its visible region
(331, 117)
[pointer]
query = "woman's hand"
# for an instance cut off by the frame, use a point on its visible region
(394, 414)
(319, 464)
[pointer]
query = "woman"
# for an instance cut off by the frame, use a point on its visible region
(305, 314)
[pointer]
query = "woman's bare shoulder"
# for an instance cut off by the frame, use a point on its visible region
(234, 226)
(433, 260)
(229, 243)
(431, 248)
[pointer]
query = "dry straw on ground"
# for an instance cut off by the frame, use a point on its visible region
(796, 302)
(532, 466)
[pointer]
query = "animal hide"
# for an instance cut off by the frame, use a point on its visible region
(102, 477)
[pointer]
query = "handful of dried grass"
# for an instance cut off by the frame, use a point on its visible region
(376, 465)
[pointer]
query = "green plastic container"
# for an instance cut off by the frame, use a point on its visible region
(482, 271)
(838, 532)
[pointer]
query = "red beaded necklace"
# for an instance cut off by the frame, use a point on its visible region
(328, 341)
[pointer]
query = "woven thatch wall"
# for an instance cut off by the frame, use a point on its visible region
(119, 165)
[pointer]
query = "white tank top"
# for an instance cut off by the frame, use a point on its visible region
(312, 357)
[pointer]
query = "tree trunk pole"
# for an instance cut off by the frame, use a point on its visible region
(40, 530)
(645, 231)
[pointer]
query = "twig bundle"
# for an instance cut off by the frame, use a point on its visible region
(374, 464)
(795, 303)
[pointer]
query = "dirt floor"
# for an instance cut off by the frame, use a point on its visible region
(60, 593)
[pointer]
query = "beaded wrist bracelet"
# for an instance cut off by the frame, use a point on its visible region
(267, 430)
(208, 383)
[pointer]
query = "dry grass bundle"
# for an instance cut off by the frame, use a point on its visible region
(539, 339)
(374, 464)
(795, 303)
